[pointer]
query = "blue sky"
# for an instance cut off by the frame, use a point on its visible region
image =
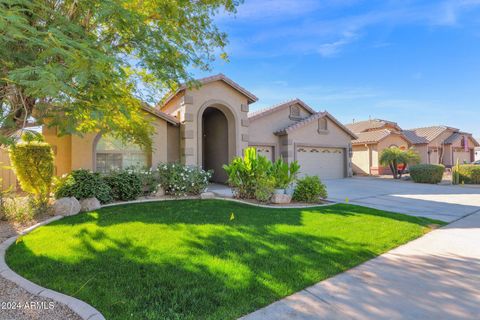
(414, 62)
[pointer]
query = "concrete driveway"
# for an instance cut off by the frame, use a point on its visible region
(442, 202)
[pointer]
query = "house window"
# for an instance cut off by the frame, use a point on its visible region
(294, 112)
(112, 154)
(322, 124)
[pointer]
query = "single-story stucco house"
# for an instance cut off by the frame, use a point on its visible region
(442, 145)
(435, 144)
(477, 153)
(208, 126)
(373, 137)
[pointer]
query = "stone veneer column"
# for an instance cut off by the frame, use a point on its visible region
(242, 141)
(188, 129)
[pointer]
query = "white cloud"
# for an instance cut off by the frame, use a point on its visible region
(320, 33)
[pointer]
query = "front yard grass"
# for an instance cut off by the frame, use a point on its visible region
(189, 260)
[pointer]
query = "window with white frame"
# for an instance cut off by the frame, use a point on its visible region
(112, 154)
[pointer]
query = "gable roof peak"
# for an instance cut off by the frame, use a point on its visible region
(269, 110)
(217, 77)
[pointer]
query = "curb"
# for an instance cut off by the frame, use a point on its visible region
(217, 197)
(83, 309)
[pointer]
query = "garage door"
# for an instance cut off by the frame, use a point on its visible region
(265, 151)
(327, 163)
(462, 156)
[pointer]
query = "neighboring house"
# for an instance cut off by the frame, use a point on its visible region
(208, 126)
(477, 153)
(373, 137)
(442, 145)
(294, 131)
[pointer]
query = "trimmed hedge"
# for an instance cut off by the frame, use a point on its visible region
(427, 173)
(469, 173)
(33, 164)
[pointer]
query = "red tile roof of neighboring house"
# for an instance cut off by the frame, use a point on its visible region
(458, 135)
(425, 135)
(313, 117)
(261, 113)
(372, 137)
(219, 77)
(367, 125)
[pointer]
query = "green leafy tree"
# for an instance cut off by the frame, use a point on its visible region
(395, 157)
(84, 65)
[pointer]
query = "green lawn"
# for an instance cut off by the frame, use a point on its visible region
(188, 260)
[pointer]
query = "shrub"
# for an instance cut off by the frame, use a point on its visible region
(309, 189)
(427, 173)
(83, 184)
(468, 173)
(264, 188)
(125, 185)
(244, 173)
(178, 179)
(33, 164)
(284, 173)
(19, 209)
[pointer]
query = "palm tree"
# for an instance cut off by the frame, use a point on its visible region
(394, 156)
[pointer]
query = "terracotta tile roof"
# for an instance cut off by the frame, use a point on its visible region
(261, 113)
(218, 77)
(372, 136)
(426, 134)
(160, 114)
(313, 117)
(458, 135)
(362, 126)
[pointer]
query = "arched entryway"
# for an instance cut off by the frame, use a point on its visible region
(215, 142)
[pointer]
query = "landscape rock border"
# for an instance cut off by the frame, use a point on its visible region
(83, 309)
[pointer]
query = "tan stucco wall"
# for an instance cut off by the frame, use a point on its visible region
(173, 107)
(261, 130)
(62, 149)
(422, 151)
(77, 152)
(309, 135)
(361, 160)
(173, 143)
(215, 94)
(159, 143)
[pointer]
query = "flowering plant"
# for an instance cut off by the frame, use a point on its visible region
(178, 179)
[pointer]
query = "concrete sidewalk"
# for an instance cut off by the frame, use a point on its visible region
(434, 277)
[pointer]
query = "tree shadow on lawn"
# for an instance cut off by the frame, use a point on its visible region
(223, 275)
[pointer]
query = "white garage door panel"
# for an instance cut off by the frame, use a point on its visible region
(265, 151)
(327, 163)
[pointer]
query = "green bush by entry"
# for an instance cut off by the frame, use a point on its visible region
(427, 173)
(309, 189)
(124, 185)
(83, 184)
(468, 173)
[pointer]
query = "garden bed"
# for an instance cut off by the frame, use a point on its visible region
(197, 259)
